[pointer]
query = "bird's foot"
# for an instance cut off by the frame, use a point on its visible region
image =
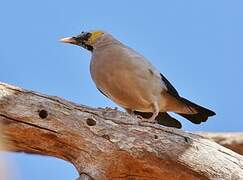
(109, 109)
(154, 115)
(150, 120)
(131, 113)
(138, 116)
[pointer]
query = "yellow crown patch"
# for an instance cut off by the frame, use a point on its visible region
(94, 36)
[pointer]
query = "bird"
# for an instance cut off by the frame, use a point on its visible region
(131, 81)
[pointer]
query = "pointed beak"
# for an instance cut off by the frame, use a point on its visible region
(70, 40)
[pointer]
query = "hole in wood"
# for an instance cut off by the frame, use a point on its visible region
(156, 137)
(90, 122)
(106, 136)
(43, 114)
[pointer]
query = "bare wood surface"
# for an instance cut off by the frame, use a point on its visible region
(233, 141)
(106, 144)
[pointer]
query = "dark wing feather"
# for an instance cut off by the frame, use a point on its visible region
(202, 113)
(170, 89)
(102, 92)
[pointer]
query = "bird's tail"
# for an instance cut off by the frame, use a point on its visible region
(196, 114)
(163, 118)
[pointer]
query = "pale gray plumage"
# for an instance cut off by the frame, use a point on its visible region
(127, 78)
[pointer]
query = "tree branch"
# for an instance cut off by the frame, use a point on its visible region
(107, 144)
(233, 141)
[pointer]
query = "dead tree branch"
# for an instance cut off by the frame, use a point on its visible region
(106, 144)
(233, 141)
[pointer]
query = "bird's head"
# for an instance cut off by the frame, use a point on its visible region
(85, 39)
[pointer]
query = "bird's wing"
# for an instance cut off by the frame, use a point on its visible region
(194, 113)
(170, 89)
(102, 92)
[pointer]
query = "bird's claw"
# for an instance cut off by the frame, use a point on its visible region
(109, 109)
(139, 117)
(144, 120)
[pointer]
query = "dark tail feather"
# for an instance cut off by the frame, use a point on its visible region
(166, 120)
(163, 118)
(201, 116)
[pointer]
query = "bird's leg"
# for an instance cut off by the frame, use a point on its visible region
(155, 114)
(131, 112)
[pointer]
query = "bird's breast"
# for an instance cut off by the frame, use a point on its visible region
(124, 79)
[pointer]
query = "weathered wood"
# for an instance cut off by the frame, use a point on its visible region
(233, 141)
(107, 144)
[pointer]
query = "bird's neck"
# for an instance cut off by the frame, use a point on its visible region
(105, 41)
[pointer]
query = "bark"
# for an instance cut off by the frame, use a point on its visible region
(107, 144)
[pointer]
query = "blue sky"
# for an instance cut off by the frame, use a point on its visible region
(197, 45)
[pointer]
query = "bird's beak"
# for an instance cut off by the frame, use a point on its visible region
(70, 40)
